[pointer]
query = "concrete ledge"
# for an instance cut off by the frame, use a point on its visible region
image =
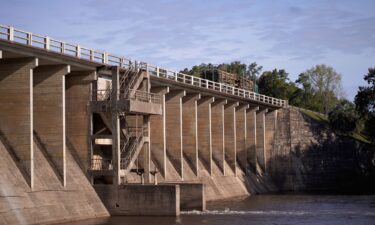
(192, 196)
(141, 200)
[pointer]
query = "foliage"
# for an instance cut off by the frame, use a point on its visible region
(276, 84)
(365, 103)
(324, 83)
(343, 117)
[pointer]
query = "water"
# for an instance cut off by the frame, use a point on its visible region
(267, 209)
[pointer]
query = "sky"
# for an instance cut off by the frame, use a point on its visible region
(291, 35)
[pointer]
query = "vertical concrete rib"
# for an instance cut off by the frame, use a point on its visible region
(158, 137)
(189, 130)
(204, 132)
(173, 111)
(230, 134)
(16, 114)
(49, 115)
(270, 126)
(241, 153)
(115, 127)
(251, 138)
(78, 117)
(147, 150)
(260, 142)
(217, 126)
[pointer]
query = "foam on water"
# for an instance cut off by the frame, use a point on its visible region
(227, 211)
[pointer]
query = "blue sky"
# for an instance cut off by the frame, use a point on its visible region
(291, 35)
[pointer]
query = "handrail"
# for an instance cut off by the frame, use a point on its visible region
(23, 37)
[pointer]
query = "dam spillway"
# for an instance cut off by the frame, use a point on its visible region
(85, 133)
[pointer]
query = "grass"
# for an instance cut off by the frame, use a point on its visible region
(316, 116)
(321, 118)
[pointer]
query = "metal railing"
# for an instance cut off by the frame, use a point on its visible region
(101, 164)
(23, 37)
(143, 96)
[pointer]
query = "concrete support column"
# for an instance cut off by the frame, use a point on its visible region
(78, 86)
(270, 127)
(251, 138)
(116, 154)
(173, 114)
(158, 137)
(241, 153)
(16, 114)
(49, 115)
(230, 134)
(204, 132)
(190, 130)
(147, 150)
(260, 140)
(217, 132)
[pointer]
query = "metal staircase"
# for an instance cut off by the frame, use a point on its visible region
(133, 135)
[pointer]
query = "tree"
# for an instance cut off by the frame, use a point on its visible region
(365, 98)
(365, 103)
(324, 82)
(276, 84)
(343, 117)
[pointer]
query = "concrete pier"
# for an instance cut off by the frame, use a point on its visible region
(190, 130)
(217, 128)
(260, 140)
(230, 134)
(204, 132)
(158, 133)
(241, 129)
(251, 137)
(49, 114)
(16, 114)
(173, 111)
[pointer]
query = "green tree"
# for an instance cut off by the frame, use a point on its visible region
(343, 118)
(276, 84)
(365, 103)
(323, 82)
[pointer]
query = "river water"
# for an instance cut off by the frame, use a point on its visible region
(267, 209)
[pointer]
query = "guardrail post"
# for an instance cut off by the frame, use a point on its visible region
(46, 43)
(157, 71)
(11, 34)
(175, 74)
(62, 47)
(78, 53)
(29, 38)
(105, 58)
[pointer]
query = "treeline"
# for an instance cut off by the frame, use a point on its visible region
(318, 89)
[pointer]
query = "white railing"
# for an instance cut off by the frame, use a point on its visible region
(15, 35)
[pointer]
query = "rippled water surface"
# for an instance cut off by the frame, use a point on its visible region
(268, 209)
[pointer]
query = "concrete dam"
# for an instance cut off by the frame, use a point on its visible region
(85, 134)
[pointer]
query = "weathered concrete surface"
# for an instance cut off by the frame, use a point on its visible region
(16, 114)
(192, 196)
(241, 153)
(49, 201)
(204, 132)
(189, 130)
(78, 117)
(133, 199)
(308, 157)
(173, 115)
(49, 114)
(217, 128)
(230, 134)
(260, 140)
(251, 138)
(158, 134)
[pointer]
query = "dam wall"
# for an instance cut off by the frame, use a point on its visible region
(308, 156)
(48, 201)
